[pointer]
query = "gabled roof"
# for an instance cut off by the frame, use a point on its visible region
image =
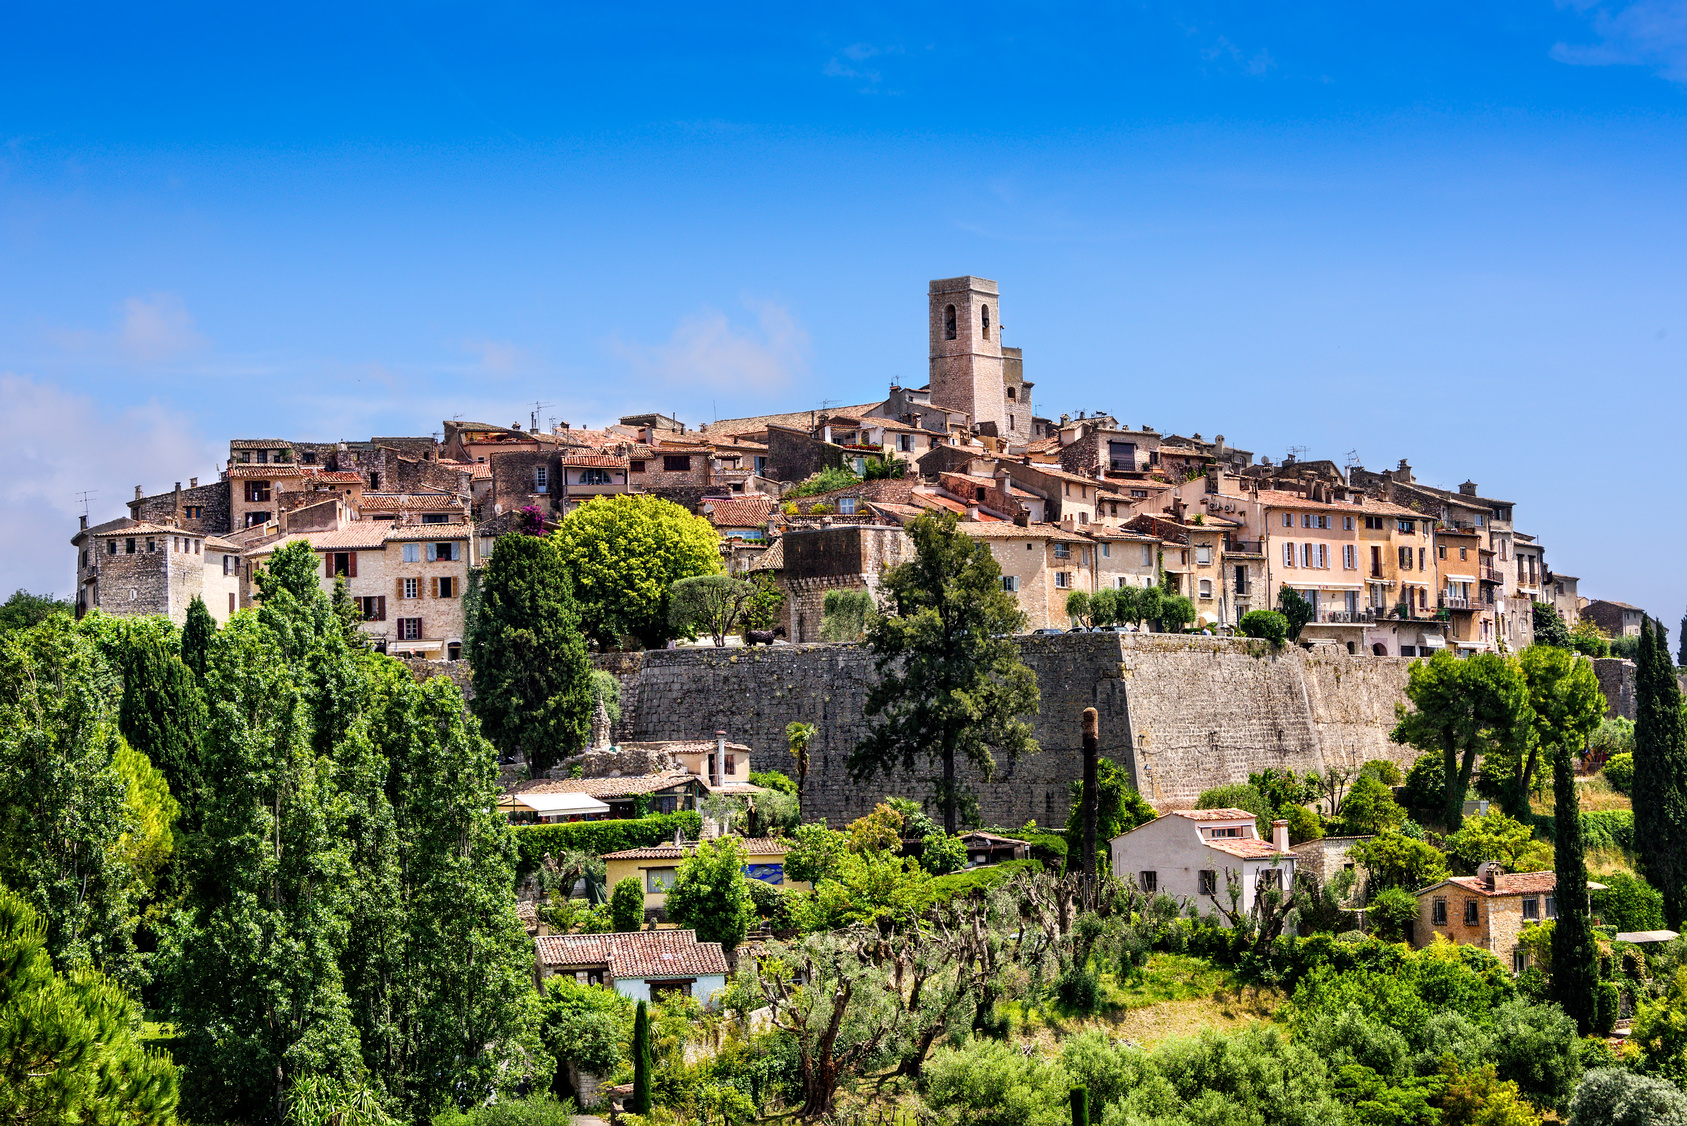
(753, 846)
(259, 444)
(608, 788)
(1223, 814)
(1509, 883)
(595, 461)
(741, 512)
(634, 954)
(1247, 848)
(410, 502)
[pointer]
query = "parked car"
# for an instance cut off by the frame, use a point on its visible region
(1047, 632)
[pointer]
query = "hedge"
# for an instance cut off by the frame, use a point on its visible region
(535, 842)
(1628, 903)
(1601, 828)
(988, 877)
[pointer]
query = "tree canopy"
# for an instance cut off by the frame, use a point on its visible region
(951, 687)
(1660, 775)
(625, 553)
(1461, 709)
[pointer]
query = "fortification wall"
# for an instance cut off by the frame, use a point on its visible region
(1183, 714)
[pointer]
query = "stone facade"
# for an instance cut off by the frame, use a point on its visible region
(129, 568)
(794, 456)
(1181, 714)
(851, 557)
(198, 508)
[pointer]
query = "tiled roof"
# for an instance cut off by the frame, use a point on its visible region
(798, 420)
(267, 472)
(1383, 508)
(1003, 530)
(357, 536)
(1277, 498)
(1063, 475)
(604, 788)
(125, 526)
(1101, 532)
(1512, 883)
(746, 512)
(754, 846)
(634, 954)
(260, 444)
(338, 477)
(1223, 814)
(456, 530)
(1245, 847)
(598, 461)
(773, 559)
(410, 502)
(1616, 604)
(221, 544)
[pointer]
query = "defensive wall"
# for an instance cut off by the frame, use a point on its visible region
(1182, 714)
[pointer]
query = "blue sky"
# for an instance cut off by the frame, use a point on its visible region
(1451, 233)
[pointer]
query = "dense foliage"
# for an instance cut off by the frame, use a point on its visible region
(624, 554)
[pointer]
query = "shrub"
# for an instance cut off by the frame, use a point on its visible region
(825, 481)
(1396, 860)
(772, 906)
(1628, 903)
(1369, 808)
(986, 1083)
(626, 905)
(844, 615)
(1619, 771)
(1535, 1047)
(535, 842)
(1240, 795)
(941, 853)
(1391, 912)
(1611, 1096)
(540, 1111)
(1266, 624)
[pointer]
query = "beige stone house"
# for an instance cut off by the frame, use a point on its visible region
(1489, 910)
(132, 567)
(656, 866)
(1041, 566)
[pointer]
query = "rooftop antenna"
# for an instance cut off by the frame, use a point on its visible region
(1352, 459)
(84, 497)
(434, 434)
(534, 418)
(1298, 452)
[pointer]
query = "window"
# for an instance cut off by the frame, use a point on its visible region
(1206, 588)
(1323, 520)
(1349, 557)
(410, 629)
(1421, 566)
(257, 491)
(454, 651)
(1438, 913)
(194, 511)
(1209, 882)
(373, 608)
(636, 466)
(1552, 907)
(444, 552)
(1306, 555)
(731, 764)
(1147, 555)
(129, 545)
(1269, 878)
(410, 588)
(1471, 917)
(374, 480)
(1479, 520)
(949, 322)
(1519, 961)
(1347, 523)
(245, 457)
(1324, 555)
(1010, 583)
(436, 518)
(412, 553)
(228, 565)
(151, 545)
(658, 880)
(1306, 519)
(1405, 559)
(1063, 579)
(1288, 520)
(1204, 555)
(447, 587)
(111, 547)
(541, 479)
(676, 463)
(1149, 881)
(263, 457)
(337, 563)
(1531, 909)
(231, 606)
(594, 477)
(1441, 551)
(984, 312)
(1288, 555)
(1373, 523)
(846, 505)
(1063, 551)
(1106, 551)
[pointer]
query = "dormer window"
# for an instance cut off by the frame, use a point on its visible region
(1229, 831)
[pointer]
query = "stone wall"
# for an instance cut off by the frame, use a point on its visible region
(1182, 714)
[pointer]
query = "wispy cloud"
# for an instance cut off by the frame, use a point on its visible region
(707, 349)
(42, 468)
(1651, 33)
(1255, 65)
(149, 330)
(855, 63)
(498, 357)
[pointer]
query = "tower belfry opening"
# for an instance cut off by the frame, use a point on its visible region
(970, 370)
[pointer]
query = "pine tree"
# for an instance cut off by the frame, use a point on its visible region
(643, 1065)
(1660, 775)
(196, 637)
(162, 714)
(532, 680)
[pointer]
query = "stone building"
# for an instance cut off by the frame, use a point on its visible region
(851, 557)
(1195, 853)
(1490, 910)
(201, 509)
(1042, 565)
(970, 370)
(1615, 619)
(132, 567)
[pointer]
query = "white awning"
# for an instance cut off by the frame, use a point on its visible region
(1336, 586)
(567, 803)
(1434, 641)
(1460, 578)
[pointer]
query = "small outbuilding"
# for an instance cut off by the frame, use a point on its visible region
(642, 965)
(1193, 854)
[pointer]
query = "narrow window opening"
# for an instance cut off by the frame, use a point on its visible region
(949, 322)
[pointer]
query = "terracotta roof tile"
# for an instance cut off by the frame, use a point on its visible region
(744, 512)
(755, 846)
(604, 788)
(1223, 814)
(598, 461)
(267, 472)
(1512, 883)
(260, 444)
(1245, 847)
(773, 559)
(635, 954)
(1002, 529)
(411, 502)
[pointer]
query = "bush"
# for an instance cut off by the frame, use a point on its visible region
(1391, 912)
(772, 906)
(772, 780)
(1266, 624)
(844, 615)
(540, 1111)
(626, 905)
(986, 1083)
(1611, 1096)
(1240, 795)
(1369, 808)
(1619, 771)
(825, 481)
(991, 876)
(535, 842)
(1535, 1047)
(1396, 860)
(941, 853)
(1628, 903)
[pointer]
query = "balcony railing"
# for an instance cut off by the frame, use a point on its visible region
(1245, 547)
(1453, 602)
(1493, 575)
(1347, 617)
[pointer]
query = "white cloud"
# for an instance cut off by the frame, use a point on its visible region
(497, 357)
(150, 330)
(1649, 33)
(853, 62)
(62, 444)
(708, 350)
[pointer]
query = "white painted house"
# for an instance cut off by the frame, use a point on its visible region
(1188, 853)
(643, 965)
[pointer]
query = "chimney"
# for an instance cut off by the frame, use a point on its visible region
(137, 492)
(1280, 835)
(193, 482)
(1489, 873)
(719, 762)
(1468, 488)
(1218, 444)
(84, 519)
(178, 487)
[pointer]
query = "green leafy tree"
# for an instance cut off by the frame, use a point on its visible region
(162, 714)
(1391, 912)
(1615, 1096)
(1241, 795)
(710, 893)
(1393, 859)
(149, 838)
(586, 1026)
(1462, 708)
(1549, 627)
(950, 686)
(69, 1052)
(62, 810)
(1119, 809)
(643, 1065)
(1370, 808)
(532, 679)
(825, 481)
(1079, 609)
(626, 904)
(1296, 610)
(1492, 836)
(625, 553)
(845, 614)
(24, 610)
(197, 635)
(1175, 612)
(1586, 639)
(1266, 624)
(767, 605)
(814, 853)
(1628, 903)
(711, 604)
(1660, 776)
(867, 889)
(798, 736)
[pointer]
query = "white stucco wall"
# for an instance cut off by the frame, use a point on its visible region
(706, 989)
(1172, 847)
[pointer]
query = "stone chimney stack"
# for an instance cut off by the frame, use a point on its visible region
(193, 482)
(1468, 489)
(1280, 835)
(84, 519)
(137, 492)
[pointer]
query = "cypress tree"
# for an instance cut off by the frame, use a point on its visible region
(532, 679)
(1681, 654)
(1575, 958)
(642, 1064)
(196, 637)
(162, 714)
(1080, 1106)
(1660, 772)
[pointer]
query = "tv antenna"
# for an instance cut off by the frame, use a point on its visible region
(1352, 459)
(1298, 452)
(84, 497)
(534, 418)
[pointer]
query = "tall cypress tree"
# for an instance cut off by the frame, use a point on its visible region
(162, 714)
(196, 637)
(1660, 775)
(1681, 654)
(643, 1065)
(532, 680)
(1575, 957)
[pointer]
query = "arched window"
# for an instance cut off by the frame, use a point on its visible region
(1010, 393)
(986, 321)
(949, 323)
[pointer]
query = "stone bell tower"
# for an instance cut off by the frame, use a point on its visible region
(966, 353)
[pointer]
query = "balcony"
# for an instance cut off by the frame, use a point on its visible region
(1347, 617)
(1242, 590)
(1452, 602)
(1244, 547)
(1492, 575)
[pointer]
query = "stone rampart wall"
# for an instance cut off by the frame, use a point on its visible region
(1183, 714)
